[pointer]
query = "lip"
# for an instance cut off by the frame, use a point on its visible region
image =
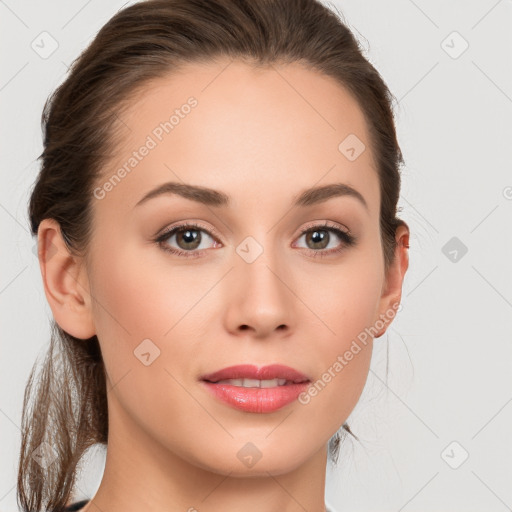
(250, 371)
(256, 400)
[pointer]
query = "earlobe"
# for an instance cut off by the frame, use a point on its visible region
(65, 282)
(392, 289)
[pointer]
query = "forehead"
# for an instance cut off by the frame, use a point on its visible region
(240, 128)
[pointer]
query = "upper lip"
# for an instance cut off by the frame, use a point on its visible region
(250, 371)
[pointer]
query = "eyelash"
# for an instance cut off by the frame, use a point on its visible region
(347, 239)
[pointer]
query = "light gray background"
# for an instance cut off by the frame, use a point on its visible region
(450, 346)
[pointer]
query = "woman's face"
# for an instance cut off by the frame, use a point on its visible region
(247, 287)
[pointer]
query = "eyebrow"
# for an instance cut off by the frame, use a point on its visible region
(215, 198)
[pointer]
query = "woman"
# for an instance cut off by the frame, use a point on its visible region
(219, 246)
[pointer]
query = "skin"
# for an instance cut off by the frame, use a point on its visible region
(172, 446)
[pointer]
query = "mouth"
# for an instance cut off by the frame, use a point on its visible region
(256, 383)
(256, 390)
(250, 376)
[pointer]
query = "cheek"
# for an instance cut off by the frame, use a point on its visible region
(346, 297)
(348, 309)
(136, 306)
(140, 299)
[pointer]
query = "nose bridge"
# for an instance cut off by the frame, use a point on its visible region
(259, 260)
(262, 299)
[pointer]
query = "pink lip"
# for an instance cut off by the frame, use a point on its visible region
(250, 371)
(257, 400)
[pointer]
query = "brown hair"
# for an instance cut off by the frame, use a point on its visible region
(80, 126)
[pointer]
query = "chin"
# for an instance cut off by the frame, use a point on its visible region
(247, 460)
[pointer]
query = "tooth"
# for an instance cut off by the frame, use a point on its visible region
(254, 383)
(270, 383)
(251, 383)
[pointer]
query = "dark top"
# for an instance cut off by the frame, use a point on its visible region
(76, 506)
(79, 504)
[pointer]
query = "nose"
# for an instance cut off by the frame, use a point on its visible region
(260, 299)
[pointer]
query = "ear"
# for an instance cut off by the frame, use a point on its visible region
(65, 281)
(392, 288)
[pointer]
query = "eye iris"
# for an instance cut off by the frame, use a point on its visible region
(190, 236)
(323, 237)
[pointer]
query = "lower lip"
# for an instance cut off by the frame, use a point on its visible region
(259, 400)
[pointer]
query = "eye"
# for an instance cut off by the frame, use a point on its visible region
(188, 237)
(319, 236)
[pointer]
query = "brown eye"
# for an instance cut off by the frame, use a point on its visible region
(188, 239)
(318, 238)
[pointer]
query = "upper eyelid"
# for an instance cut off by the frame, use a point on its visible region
(192, 224)
(328, 225)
